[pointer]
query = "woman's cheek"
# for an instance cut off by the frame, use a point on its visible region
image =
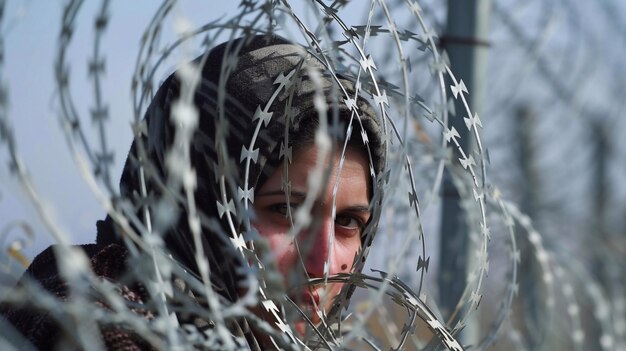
(346, 250)
(280, 244)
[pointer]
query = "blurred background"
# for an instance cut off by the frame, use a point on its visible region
(550, 97)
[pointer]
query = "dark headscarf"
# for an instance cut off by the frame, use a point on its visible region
(242, 81)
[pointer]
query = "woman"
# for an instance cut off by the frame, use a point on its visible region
(270, 194)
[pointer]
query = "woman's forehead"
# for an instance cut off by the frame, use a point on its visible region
(349, 170)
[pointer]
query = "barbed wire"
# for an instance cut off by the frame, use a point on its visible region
(386, 56)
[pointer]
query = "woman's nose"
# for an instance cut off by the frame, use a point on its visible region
(317, 251)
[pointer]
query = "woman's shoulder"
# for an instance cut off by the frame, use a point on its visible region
(107, 261)
(39, 327)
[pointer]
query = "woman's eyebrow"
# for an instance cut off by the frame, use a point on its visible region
(300, 195)
(297, 194)
(358, 208)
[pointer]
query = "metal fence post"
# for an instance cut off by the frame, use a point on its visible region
(466, 42)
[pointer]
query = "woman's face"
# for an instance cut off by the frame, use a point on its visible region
(316, 250)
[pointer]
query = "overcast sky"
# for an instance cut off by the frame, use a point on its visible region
(30, 31)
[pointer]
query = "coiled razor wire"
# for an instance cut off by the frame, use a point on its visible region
(412, 114)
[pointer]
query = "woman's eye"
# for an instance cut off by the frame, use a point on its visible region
(282, 208)
(348, 221)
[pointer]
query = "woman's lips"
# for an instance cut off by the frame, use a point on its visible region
(312, 297)
(308, 297)
(308, 301)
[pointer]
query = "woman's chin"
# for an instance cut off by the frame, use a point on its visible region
(300, 327)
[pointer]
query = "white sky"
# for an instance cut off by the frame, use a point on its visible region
(30, 31)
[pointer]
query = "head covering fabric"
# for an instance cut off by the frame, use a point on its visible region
(237, 90)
